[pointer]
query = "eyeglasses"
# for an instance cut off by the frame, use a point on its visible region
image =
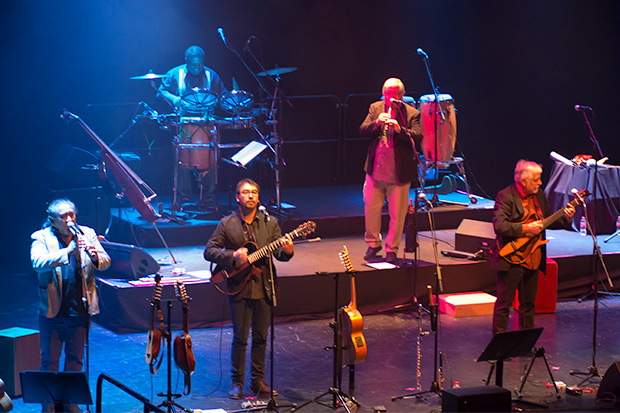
(248, 192)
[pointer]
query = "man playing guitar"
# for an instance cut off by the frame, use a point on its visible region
(249, 288)
(519, 212)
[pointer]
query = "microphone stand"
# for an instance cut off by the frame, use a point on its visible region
(596, 257)
(434, 314)
(437, 109)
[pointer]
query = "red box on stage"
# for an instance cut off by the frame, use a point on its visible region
(547, 297)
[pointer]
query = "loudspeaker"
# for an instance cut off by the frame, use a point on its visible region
(128, 262)
(609, 388)
(476, 399)
(19, 351)
(473, 236)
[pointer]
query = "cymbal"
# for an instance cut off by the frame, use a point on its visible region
(277, 71)
(149, 76)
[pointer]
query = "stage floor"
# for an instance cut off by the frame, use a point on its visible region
(303, 368)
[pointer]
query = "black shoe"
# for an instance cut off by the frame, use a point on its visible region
(371, 253)
(391, 257)
(262, 388)
(236, 391)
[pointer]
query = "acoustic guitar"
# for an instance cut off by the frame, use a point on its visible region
(354, 345)
(245, 270)
(183, 350)
(519, 250)
(156, 340)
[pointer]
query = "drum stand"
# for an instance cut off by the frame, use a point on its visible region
(437, 109)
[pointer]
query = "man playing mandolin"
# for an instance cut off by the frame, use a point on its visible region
(520, 210)
(249, 286)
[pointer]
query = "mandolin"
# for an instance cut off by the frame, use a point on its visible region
(156, 337)
(519, 250)
(354, 345)
(245, 270)
(183, 351)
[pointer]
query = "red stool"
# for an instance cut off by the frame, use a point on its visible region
(547, 290)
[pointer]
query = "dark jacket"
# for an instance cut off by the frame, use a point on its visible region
(507, 219)
(229, 236)
(406, 164)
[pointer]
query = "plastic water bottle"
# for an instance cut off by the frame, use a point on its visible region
(457, 385)
(582, 227)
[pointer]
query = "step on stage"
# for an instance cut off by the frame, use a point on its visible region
(306, 283)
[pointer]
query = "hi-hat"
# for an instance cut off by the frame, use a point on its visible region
(277, 71)
(150, 76)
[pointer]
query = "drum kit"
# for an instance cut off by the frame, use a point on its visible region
(197, 142)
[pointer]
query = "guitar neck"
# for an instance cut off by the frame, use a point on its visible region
(557, 214)
(353, 303)
(185, 318)
(262, 252)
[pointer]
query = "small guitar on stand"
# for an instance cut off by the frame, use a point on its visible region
(519, 250)
(183, 351)
(354, 345)
(156, 337)
(247, 269)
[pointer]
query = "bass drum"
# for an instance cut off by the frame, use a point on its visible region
(199, 154)
(446, 130)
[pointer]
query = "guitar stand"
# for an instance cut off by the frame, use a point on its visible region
(339, 398)
(169, 403)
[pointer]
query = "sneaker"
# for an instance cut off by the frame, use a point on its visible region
(371, 252)
(236, 391)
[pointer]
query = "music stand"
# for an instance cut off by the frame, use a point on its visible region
(508, 344)
(55, 387)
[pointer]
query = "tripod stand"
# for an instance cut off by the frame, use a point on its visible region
(170, 403)
(596, 257)
(339, 398)
(434, 314)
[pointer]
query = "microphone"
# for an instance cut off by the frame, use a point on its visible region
(262, 209)
(221, 32)
(74, 228)
(150, 110)
(396, 100)
(579, 108)
(247, 43)
(425, 200)
(422, 53)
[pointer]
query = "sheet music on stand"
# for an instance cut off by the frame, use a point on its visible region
(247, 153)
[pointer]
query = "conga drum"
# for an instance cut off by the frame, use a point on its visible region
(446, 129)
(196, 144)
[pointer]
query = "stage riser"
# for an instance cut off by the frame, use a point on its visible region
(127, 310)
(141, 233)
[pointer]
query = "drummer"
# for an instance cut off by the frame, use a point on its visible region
(177, 82)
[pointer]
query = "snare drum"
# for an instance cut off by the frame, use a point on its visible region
(196, 145)
(198, 101)
(446, 130)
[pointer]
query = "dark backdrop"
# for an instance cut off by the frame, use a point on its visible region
(515, 69)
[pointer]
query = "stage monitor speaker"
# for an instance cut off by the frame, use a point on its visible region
(128, 262)
(476, 399)
(473, 236)
(609, 388)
